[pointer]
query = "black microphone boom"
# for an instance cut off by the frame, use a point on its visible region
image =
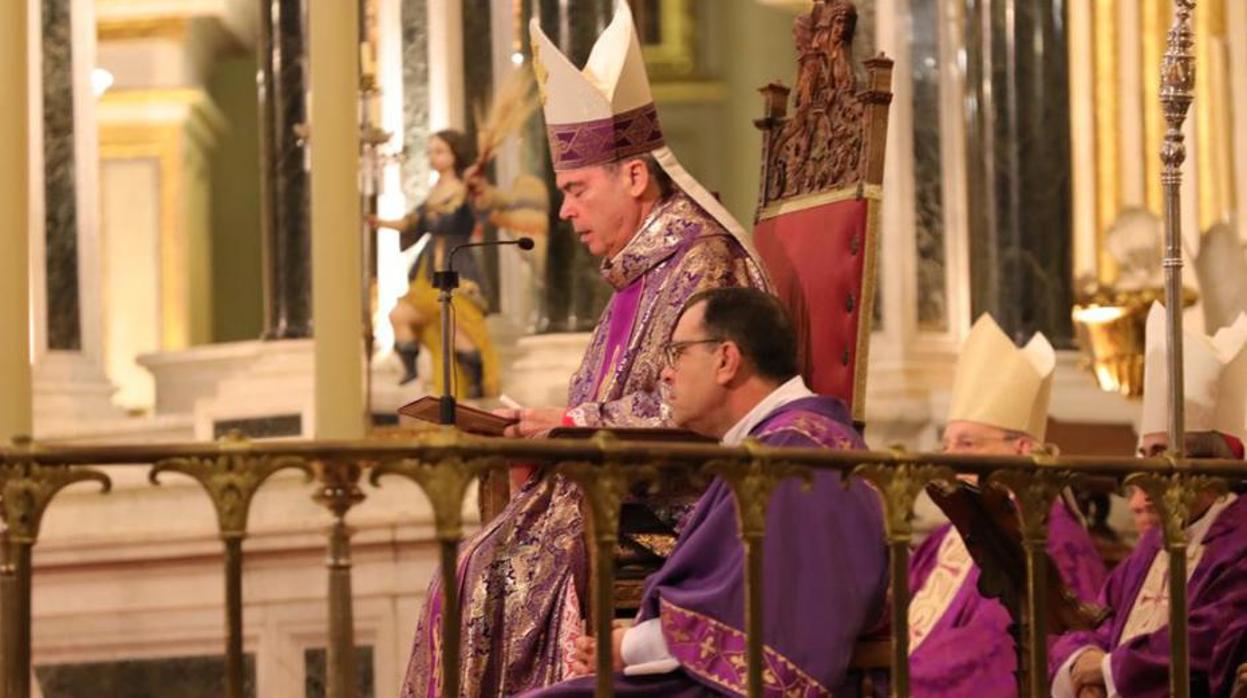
(524, 243)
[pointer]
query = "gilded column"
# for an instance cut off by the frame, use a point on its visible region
(333, 53)
(1105, 20)
(15, 408)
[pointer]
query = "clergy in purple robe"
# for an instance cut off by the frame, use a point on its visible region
(959, 643)
(732, 374)
(1129, 653)
(662, 237)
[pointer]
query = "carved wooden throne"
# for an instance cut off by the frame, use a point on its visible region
(817, 225)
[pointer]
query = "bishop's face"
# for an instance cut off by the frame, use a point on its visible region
(1199, 444)
(974, 438)
(601, 203)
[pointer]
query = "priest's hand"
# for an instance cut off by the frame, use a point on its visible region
(1087, 674)
(583, 660)
(532, 422)
(580, 662)
(1240, 684)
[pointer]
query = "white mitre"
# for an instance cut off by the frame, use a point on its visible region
(999, 384)
(1214, 378)
(605, 113)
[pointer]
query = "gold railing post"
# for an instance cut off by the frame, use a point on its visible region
(752, 482)
(26, 490)
(338, 492)
(8, 602)
(445, 479)
(14, 609)
(1035, 493)
(605, 486)
(899, 485)
(234, 674)
(231, 481)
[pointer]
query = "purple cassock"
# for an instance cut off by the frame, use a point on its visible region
(1217, 597)
(824, 584)
(964, 647)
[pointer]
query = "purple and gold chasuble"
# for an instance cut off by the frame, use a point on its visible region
(824, 585)
(1138, 650)
(522, 577)
(959, 643)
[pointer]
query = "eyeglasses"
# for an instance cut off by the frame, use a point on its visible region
(672, 351)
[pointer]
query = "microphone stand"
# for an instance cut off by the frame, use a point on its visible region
(446, 281)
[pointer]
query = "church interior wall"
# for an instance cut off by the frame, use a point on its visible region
(235, 204)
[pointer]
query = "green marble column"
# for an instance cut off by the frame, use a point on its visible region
(59, 187)
(1018, 157)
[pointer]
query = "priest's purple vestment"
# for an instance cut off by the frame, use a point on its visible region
(967, 650)
(1217, 598)
(825, 578)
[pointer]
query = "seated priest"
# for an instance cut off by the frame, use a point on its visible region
(662, 238)
(732, 374)
(959, 643)
(1128, 654)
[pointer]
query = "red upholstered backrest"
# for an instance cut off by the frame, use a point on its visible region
(819, 193)
(817, 258)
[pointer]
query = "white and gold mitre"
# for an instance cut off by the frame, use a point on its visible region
(605, 112)
(999, 384)
(1214, 378)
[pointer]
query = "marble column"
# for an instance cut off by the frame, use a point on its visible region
(66, 272)
(925, 61)
(284, 187)
(1018, 158)
(333, 72)
(415, 21)
(575, 292)
(15, 408)
(64, 319)
(478, 88)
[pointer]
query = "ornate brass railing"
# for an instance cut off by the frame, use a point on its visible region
(444, 464)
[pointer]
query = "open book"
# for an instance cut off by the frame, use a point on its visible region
(468, 419)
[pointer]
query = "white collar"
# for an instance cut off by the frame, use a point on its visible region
(795, 389)
(1195, 532)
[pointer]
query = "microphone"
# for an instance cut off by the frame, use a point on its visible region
(446, 281)
(524, 243)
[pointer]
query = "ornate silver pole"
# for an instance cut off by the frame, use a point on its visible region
(1176, 92)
